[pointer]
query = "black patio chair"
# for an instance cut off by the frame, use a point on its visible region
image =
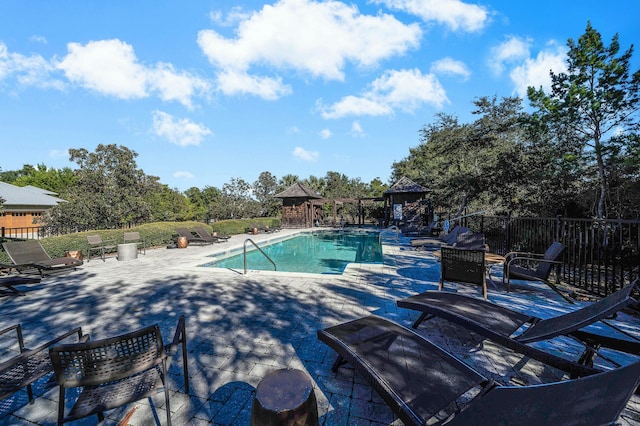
(22, 370)
(516, 330)
(462, 265)
(534, 266)
(418, 380)
(112, 372)
(134, 237)
(96, 244)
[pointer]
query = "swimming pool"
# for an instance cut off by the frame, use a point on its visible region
(317, 253)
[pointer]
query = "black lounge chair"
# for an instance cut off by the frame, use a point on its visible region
(505, 326)
(30, 257)
(9, 281)
(192, 239)
(435, 243)
(418, 379)
(202, 233)
(113, 372)
(29, 365)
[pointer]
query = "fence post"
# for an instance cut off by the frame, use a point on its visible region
(3, 232)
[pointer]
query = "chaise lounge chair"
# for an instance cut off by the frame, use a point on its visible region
(202, 233)
(9, 281)
(192, 239)
(435, 243)
(418, 379)
(30, 257)
(504, 326)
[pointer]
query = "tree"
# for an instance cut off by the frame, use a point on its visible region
(286, 181)
(595, 101)
(235, 201)
(264, 190)
(110, 190)
(55, 180)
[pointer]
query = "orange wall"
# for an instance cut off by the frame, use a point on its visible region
(19, 219)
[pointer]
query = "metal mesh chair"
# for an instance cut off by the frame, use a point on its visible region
(30, 364)
(135, 237)
(461, 265)
(116, 371)
(471, 241)
(98, 245)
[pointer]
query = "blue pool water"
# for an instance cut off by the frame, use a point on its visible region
(317, 253)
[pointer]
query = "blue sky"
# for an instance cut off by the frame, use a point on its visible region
(206, 91)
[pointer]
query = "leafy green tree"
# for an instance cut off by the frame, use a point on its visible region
(55, 180)
(168, 204)
(204, 201)
(286, 181)
(110, 190)
(264, 190)
(317, 184)
(594, 102)
(235, 201)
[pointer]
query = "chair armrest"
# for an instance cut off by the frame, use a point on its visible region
(18, 330)
(536, 259)
(522, 253)
(77, 330)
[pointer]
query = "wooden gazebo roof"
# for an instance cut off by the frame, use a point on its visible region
(405, 185)
(298, 190)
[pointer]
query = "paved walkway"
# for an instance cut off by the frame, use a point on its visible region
(242, 326)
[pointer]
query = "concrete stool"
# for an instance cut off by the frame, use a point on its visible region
(285, 398)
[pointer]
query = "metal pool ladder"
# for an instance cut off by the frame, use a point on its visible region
(249, 240)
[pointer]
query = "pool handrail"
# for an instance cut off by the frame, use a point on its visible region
(244, 250)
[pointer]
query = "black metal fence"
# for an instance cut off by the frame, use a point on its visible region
(601, 256)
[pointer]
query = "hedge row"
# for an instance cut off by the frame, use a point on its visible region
(157, 234)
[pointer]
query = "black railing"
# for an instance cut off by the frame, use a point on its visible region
(601, 256)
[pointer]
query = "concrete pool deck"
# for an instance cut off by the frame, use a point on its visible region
(240, 327)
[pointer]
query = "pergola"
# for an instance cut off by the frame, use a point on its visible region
(303, 207)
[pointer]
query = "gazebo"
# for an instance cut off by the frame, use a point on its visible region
(297, 206)
(402, 193)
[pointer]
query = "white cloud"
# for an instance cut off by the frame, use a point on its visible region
(59, 153)
(455, 14)
(110, 67)
(293, 130)
(325, 133)
(183, 175)
(513, 49)
(535, 72)
(306, 36)
(38, 39)
(356, 130)
(231, 82)
(304, 155)
(449, 66)
(181, 132)
(406, 90)
(31, 70)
